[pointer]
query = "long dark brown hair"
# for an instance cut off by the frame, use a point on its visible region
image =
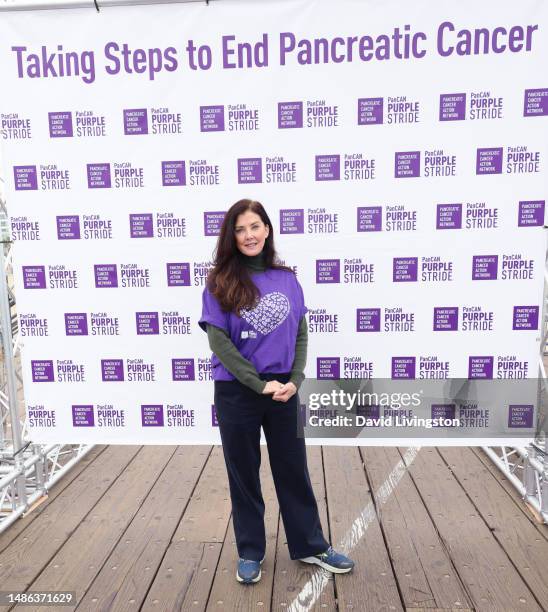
(229, 280)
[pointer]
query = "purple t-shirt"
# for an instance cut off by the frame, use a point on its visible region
(265, 335)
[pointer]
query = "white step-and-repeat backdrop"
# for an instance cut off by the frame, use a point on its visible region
(399, 148)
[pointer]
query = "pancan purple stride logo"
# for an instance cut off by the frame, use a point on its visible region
(90, 124)
(242, 119)
(319, 114)
(178, 274)
(535, 102)
(328, 271)
(135, 121)
(68, 227)
(212, 118)
(480, 368)
(404, 269)
(452, 107)
(531, 213)
(141, 225)
(182, 369)
(446, 318)
(525, 318)
(163, 121)
(485, 267)
(148, 323)
(368, 319)
(484, 105)
(152, 415)
(34, 277)
(448, 216)
(173, 174)
(401, 110)
(213, 222)
(14, 127)
(250, 170)
(42, 371)
(328, 167)
(106, 275)
(60, 125)
(25, 178)
(369, 219)
(99, 176)
(370, 111)
(290, 115)
(292, 221)
(82, 416)
(328, 368)
(520, 415)
(76, 324)
(489, 161)
(407, 164)
(403, 367)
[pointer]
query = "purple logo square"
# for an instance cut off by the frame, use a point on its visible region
(531, 213)
(213, 222)
(152, 415)
(106, 275)
(112, 370)
(34, 277)
(369, 411)
(369, 218)
(370, 111)
(446, 318)
(141, 225)
(214, 420)
(212, 118)
(407, 164)
(42, 371)
(178, 274)
(98, 176)
(290, 115)
(480, 367)
(148, 323)
(452, 107)
(328, 270)
(25, 178)
(328, 167)
(448, 216)
(520, 415)
(403, 367)
(292, 221)
(443, 411)
(135, 121)
(404, 269)
(68, 227)
(535, 102)
(250, 170)
(525, 317)
(82, 416)
(368, 319)
(489, 161)
(328, 367)
(485, 267)
(60, 125)
(76, 324)
(173, 173)
(182, 369)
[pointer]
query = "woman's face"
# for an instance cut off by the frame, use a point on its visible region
(250, 233)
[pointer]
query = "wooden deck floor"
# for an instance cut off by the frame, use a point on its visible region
(149, 528)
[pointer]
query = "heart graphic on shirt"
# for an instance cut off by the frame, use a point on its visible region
(269, 313)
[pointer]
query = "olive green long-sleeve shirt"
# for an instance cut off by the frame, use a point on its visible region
(240, 367)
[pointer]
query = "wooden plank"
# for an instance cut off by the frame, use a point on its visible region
(7, 537)
(424, 572)
(140, 550)
(226, 592)
(292, 579)
(488, 575)
(26, 556)
(76, 564)
(510, 490)
(372, 585)
(517, 536)
(196, 544)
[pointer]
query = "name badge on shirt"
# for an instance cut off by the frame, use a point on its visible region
(248, 334)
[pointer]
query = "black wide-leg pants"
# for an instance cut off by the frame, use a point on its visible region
(241, 413)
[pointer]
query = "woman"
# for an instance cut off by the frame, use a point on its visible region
(253, 312)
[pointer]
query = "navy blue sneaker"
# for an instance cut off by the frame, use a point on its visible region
(332, 561)
(249, 571)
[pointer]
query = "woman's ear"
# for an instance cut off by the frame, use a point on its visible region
(267, 230)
